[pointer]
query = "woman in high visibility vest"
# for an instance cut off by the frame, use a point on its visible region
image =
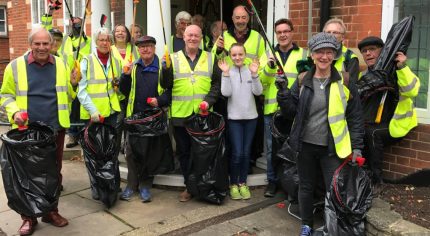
(327, 122)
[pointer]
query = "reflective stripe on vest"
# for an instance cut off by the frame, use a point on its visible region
(338, 101)
(190, 87)
(19, 73)
(252, 45)
(99, 87)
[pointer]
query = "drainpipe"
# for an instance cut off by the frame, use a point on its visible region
(310, 18)
(324, 12)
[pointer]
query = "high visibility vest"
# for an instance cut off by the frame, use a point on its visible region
(15, 89)
(405, 116)
(254, 46)
(130, 106)
(340, 65)
(267, 77)
(130, 49)
(190, 86)
(46, 21)
(338, 101)
(69, 43)
(99, 86)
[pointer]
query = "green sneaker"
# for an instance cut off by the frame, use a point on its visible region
(244, 191)
(234, 192)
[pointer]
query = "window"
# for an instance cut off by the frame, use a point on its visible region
(3, 22)
(77, 9)
(38, 8)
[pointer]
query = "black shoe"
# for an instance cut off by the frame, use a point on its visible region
(95, 195)
(270, 190)
(73, 142)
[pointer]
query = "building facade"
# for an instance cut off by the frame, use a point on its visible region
(361, 17)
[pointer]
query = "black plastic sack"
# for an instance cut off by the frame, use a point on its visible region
(380, 78)
(150, 142)
(29, 169)
(101, 149)
(208, 178)
(348, 200)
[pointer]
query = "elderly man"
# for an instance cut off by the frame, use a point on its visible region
(195, 85)
(240, 33)
(182, 20)
(288, 53)
(141, 85)
(398, 114)
(35, 91)
(345, 60)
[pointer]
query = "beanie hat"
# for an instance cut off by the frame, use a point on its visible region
(371, 40)
(323, 40)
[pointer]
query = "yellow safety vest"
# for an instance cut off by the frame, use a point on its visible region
(338, 101)
(405, 116)
(68, 44)
(267, 77)
(130, 106)
(254, 46)
(100, 88)
(15, 87)
(46, 21)
(340, 65)
(190, 86)
(130, 49)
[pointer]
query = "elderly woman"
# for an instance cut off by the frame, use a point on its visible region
(328, 125)
(97, 93)
(182, 20)
(123, 49)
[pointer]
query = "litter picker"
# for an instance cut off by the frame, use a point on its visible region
(77, 65)
(166, 49)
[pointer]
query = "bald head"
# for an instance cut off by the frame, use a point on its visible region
(240, 18)
(192, 37)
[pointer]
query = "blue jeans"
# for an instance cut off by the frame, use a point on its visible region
(241, 133)
(271, 175)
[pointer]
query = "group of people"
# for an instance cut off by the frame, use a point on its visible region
(123, 76)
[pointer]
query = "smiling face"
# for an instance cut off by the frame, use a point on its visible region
(323, 58)
(146, 51)
(192, 37)
(103, 43)
(337, 30)
(284, 35)
(237, 55)
(120, 34)
(41, 46)
(240, 18)
(370, 54)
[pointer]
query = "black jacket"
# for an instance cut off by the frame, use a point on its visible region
(294, 106)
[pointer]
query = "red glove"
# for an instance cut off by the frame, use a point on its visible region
(204, 106)
(149, 100)
(20, 118)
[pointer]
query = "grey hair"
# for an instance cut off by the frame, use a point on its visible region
(335, 21)
(37, 29)
(103, 31)
(182, 15)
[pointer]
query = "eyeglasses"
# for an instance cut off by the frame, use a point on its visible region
(104, 40)
(328, 53)
(369, 49)
(184, 23)
(283, 32)
(145, 46)
(334, 32)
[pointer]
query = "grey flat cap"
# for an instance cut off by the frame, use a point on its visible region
(323, 40)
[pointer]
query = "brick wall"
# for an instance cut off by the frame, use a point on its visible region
(117, 6)
(409, 155)
(4, 47)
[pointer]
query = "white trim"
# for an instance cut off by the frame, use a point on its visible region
(38, 12)
(4, 33)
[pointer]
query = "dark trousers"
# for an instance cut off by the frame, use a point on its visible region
(135, 180)
(241, 134)
(310, 160)
(375, 139)
(183, 149)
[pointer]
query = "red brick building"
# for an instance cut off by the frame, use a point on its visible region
(361, 17)
(4, 37)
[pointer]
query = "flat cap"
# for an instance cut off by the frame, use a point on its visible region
(145, 39)
(323, 40)
(55, 32)
(371, 40)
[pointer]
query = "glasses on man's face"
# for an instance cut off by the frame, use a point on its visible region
(334, 32)
(283, 32)
(328, 53)
(184, 23)
(145, 46)
(369, 49)
(103, 40)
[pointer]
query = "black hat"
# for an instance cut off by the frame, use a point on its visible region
(55, 32)
(371, 40)
(145, 39)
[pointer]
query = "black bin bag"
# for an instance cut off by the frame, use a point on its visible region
(101, 149)
(29, 169)
(208, 176)
(150, 142)
(348, 200)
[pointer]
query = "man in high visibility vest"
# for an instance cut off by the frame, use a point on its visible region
(345, 60)
(398, 112)
(39, 84)
(195, 80)
(288, 53)
(182, 20)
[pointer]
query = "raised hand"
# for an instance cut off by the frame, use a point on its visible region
(223, 65)
(400, 59)
(253, 67)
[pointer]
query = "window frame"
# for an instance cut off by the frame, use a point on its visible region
(74, 10)
(388, 15)
(5, 33)
(39, 13)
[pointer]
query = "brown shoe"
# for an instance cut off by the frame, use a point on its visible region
(185, 196)
(55, 219)
(28, 225)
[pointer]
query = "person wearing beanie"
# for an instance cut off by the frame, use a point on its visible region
(398, 113)
(327, 127)
(140, 84)
(345, 59)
